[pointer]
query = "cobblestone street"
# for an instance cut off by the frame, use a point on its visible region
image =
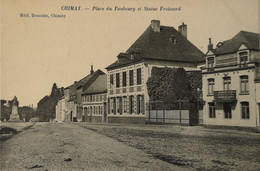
(53, 146)
(82, 146)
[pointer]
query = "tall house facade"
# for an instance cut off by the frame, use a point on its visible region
(231, 82)
(95, 101)
(158, 46)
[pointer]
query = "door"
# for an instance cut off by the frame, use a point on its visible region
(227, 110)
(105, 112)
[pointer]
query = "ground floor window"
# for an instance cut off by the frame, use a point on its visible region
(245, 110)
(227, 110)
(125, 104)
(131, 104)
(113, 105)
(212, 112)
(140, 104)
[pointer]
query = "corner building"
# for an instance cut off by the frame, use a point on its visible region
(231, 82)
(158, 46)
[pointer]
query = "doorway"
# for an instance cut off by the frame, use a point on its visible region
(105, 112)
(227, 110)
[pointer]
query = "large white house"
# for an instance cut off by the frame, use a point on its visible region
(231, 82)
(160, 46)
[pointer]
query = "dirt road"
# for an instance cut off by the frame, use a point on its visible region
(65, 146)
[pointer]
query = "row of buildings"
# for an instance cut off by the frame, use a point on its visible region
(230, 80)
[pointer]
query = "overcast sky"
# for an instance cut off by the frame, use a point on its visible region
(36, 52)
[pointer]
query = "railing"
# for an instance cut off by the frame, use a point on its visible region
(225, 95)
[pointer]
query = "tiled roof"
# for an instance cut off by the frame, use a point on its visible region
(98, 86)
(84, 82)
(249, 39)
(157, 45)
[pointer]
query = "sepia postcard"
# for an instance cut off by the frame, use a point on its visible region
(130, 85)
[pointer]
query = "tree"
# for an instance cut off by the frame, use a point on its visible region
(26, 113)
(47, 105)
(5, 110)
(168, 84)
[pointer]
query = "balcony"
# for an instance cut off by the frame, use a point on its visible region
(225, 96)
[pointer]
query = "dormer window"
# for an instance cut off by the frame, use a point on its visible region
(243, 58)
(219, 44)
(173, 39)
(210, 63)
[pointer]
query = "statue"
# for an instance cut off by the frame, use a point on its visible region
(14, 117)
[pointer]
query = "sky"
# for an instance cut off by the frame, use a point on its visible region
(37, 51)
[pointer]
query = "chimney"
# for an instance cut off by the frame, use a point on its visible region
(91, 71)
(155, 24)
(210, 45)
(183, 29)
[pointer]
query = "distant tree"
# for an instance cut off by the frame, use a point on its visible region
(26, 113)
(5, 110)
(54, 90)
(47, 105)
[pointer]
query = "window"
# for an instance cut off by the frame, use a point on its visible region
(118, 105)
(125, 105)
(108, 105)
(210, 64)
(243, 57)
(245, 110)
(111, 81)
(244, 88)
(131, 104)
(117, 80)
(227, 110)
(139, 76)
(211, 85)
(140, 104)
(212, 112)
(112, 105)
(227, 83)
(124, 79)
(131, 77)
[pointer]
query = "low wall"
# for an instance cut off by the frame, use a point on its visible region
(93, 119)
(126, 120)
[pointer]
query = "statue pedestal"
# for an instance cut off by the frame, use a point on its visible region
(14, 117)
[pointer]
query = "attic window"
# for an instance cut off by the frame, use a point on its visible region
(173, 39)
(219, 44)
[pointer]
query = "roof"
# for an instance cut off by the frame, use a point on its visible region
(249, 39)
(98, 86)
(157, 45)
(84, 82)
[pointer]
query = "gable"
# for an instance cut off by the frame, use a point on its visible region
(209, 53)
(242, 47)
